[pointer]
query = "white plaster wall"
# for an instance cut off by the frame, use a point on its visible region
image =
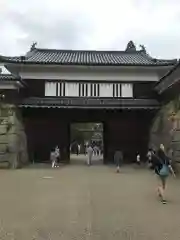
(106, 90)
(127, 90)
(50, 89)
(89, 89)
(71, 89)
(89, 73)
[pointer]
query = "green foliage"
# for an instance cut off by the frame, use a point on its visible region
(176, 104)
(82, 131)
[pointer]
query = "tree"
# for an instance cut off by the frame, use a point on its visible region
(83, 131)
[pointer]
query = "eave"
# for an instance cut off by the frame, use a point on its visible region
(24, 63)
(168, 80)
(10, 85)
(18, 67)
(89, 103)
(8, 81)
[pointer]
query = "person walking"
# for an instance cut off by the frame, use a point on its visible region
(78, 149)
(85, 148)
(162, 168)
(58, 155)
(53, 158)
(149, 158)
(118, 159)
(89, 155)
(96, 150)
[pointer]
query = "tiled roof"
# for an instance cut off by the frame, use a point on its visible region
(167, 81)
(177, 65)
(85, 57)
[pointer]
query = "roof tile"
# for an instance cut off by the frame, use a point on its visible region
(82, 57)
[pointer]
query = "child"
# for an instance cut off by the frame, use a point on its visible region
(138, 159)
(149, 157)
(54, 157)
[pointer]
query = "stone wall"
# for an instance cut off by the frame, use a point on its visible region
(166, 129)
(13, 145)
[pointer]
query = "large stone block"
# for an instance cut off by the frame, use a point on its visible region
(13, 143)
(12, 119)
(4, 157)
(11, 129)
(3, 147)
(3, 129)
(176, 136)
(14, 161)
(176, 167)
(175, 146)
(4, 139)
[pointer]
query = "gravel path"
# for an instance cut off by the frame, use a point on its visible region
(80, 202)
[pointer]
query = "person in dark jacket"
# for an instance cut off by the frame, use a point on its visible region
(162, 168)
(118, 159)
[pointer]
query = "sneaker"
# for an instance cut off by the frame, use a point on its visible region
(163, 201)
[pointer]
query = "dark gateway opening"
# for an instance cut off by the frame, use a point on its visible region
(123, 129)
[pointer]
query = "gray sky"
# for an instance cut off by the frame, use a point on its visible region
(90, 24)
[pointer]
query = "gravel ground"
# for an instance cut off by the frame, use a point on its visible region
(80, 202)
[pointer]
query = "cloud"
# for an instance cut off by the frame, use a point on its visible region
(90, 24)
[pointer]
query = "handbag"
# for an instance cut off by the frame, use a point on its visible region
(164, 172)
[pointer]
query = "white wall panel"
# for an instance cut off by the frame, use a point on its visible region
(106, 90)
(72, 89)
(50, 89)
(126, 90)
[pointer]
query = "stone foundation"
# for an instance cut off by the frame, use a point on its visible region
(166, 129)
(13, 144)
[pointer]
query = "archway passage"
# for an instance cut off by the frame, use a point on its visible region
(82, 136)
(127, 130)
